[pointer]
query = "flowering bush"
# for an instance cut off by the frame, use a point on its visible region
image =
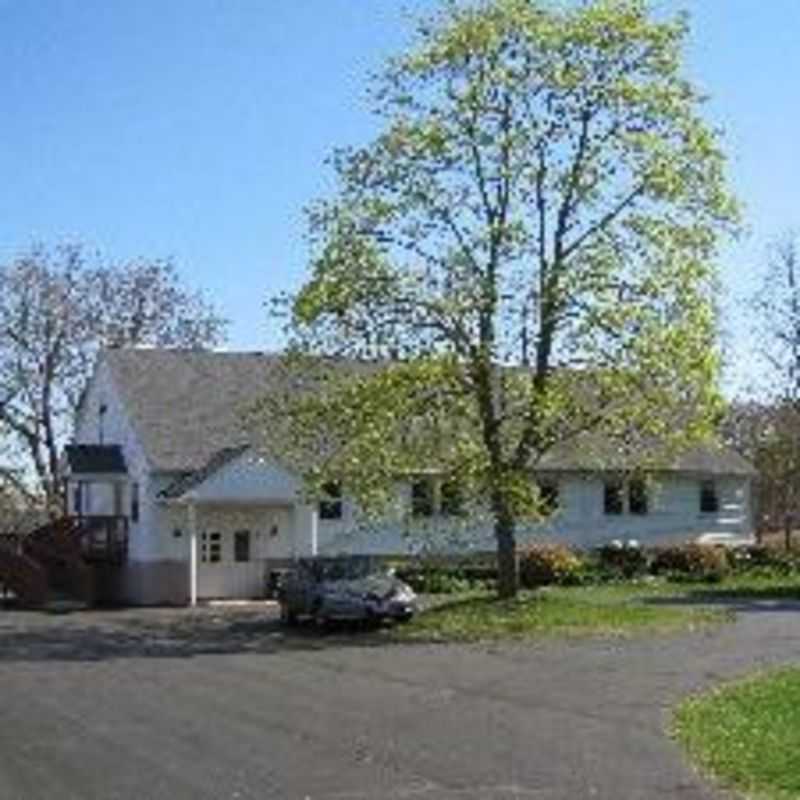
(692, 561)
(622, 559)
(546, 564)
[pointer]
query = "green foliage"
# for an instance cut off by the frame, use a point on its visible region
(765, 561)
(748, 734)
(437, 575)
(692, 561)
(524, 256)
(438, 581)
(547, 564)
(621, 559)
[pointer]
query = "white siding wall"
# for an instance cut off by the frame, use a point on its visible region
(250, 478)
(248, 485)
(673, 514)
(98, 498)
(271, 537)
(118, 429)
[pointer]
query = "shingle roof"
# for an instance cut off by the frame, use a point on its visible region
(95, 459)
(588, 453)
(188, 405)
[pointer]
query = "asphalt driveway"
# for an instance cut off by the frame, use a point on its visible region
(167, 704)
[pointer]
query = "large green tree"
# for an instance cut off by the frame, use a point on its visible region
(522, 258)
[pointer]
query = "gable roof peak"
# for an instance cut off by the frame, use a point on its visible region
(188, 404)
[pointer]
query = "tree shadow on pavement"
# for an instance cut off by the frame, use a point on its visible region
(738, 600)
(165, 633)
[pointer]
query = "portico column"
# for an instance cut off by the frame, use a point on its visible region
(306, 529)
(191, 510)
(314, 532)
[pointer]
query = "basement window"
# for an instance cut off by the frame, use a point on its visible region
(709, 499)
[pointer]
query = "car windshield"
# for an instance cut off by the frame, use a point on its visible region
(342, 569)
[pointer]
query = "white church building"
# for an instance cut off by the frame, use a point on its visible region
(160, 448)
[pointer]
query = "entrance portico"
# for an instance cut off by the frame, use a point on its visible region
(240, 523)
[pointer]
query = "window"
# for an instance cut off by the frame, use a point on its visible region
(452, 499)
(612, 498)
(709, 499)
(637, 497)
(548, 497)
(77, 499)
(101, 416)
(330, 507)
(211, 548)
(241, 546)
(134, 502)
(422, 498)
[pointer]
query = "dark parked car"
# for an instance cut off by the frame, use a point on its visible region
(353, 588)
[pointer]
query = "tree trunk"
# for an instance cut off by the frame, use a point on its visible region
(507, 572)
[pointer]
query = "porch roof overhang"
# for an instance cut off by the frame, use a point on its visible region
(192, 498)
(99, 477)
(233, 477)
(104, 462)
(186, 484)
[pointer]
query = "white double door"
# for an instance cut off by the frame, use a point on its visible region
(233, 555)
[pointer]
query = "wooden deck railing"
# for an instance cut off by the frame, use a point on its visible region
(21, 575)
(103, 538)
(59, 557)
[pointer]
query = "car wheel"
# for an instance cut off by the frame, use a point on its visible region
(372, 620)
(319, 617)
(288, 617)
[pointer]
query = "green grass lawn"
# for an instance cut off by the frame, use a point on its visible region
(601, 610)
(748, 734)
(611, 609)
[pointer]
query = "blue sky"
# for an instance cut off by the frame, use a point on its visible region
(199, 128)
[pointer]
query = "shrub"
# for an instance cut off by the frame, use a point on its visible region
(622, 559)
(439, 580)
(692, 561)
(764, 560)
(546, 564)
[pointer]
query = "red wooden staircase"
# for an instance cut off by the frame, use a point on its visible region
(22, 575)
(59, 559)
